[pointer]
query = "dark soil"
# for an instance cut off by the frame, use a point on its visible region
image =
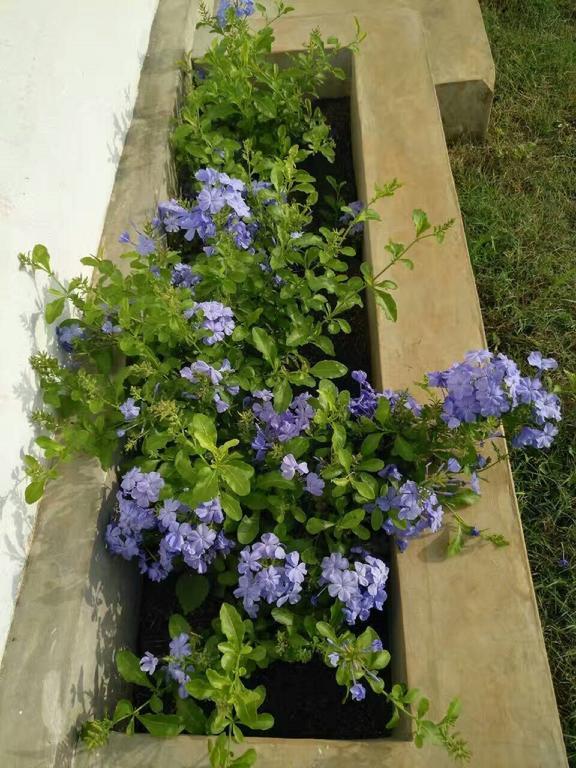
(305, 699)
(353, 349)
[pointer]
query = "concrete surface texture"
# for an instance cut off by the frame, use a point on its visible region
(76, 603)
(459, 53)
(69, 74)
(470, 624)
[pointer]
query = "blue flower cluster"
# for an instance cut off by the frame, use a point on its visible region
(67, 334)
(291, 468)
(184, 277)
(360, 587)
(488, 385)
(367, 401)
(179, 668)
(216, 318)
(268, 573)
(129, 409)
(357, 207)
(414, 508)
(201, 372)
(145, 245)
(159, 535)
(242, 8)
(273, 427)
(219, 193)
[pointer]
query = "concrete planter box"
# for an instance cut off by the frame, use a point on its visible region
(468, 626)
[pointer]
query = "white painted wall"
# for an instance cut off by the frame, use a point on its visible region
(69, 74)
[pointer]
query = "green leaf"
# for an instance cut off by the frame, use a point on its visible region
(376, 519)
(231, 506)
(246, 760)
(41, 257)
(315, 525)
(205, 487)
(456, 543)
(266, 345)
(232, 624)
(162, 726)
(204, 430)
(177, 624)
(122, 710)
(325, 630)
(282, 395)
(371, 442)
(328, 369)
(34, 491)
(453, 712)
(191, 715)
(192, 589)
(283, 616)
(387, 303)
(200, 688)
(184, 467)
(248, 528)
(423, 707)
(338, 436)
(128, 666)
(352, 519)
(403, 449)
(54, 309)
(421, 222)
(371, 465)
(237, 476)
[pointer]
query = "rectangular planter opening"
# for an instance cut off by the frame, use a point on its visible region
(304, 698)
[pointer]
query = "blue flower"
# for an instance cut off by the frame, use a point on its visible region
(453, 465)
(290, 466)
(148, 663)
(272, 427)
(145, 245)
(267, 573)
(542, 363)
(67, 334)
(358, 692)
(242, 8)
(216, 318)
(357, 207)
(129, 409)
(143, 487)
(184, 277)
(314, 484)
(109, 328)
(180, 647)
(210, 512)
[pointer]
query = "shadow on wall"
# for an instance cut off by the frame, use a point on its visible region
(12, 503)
(121, 123)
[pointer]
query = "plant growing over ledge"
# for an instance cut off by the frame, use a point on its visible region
(209, 364)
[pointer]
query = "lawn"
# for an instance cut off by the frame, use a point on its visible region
(518, 198)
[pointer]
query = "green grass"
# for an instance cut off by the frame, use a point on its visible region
(518, 198)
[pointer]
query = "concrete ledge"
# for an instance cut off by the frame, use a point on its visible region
(461, 62)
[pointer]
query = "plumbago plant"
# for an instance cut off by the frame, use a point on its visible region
(205, 369)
